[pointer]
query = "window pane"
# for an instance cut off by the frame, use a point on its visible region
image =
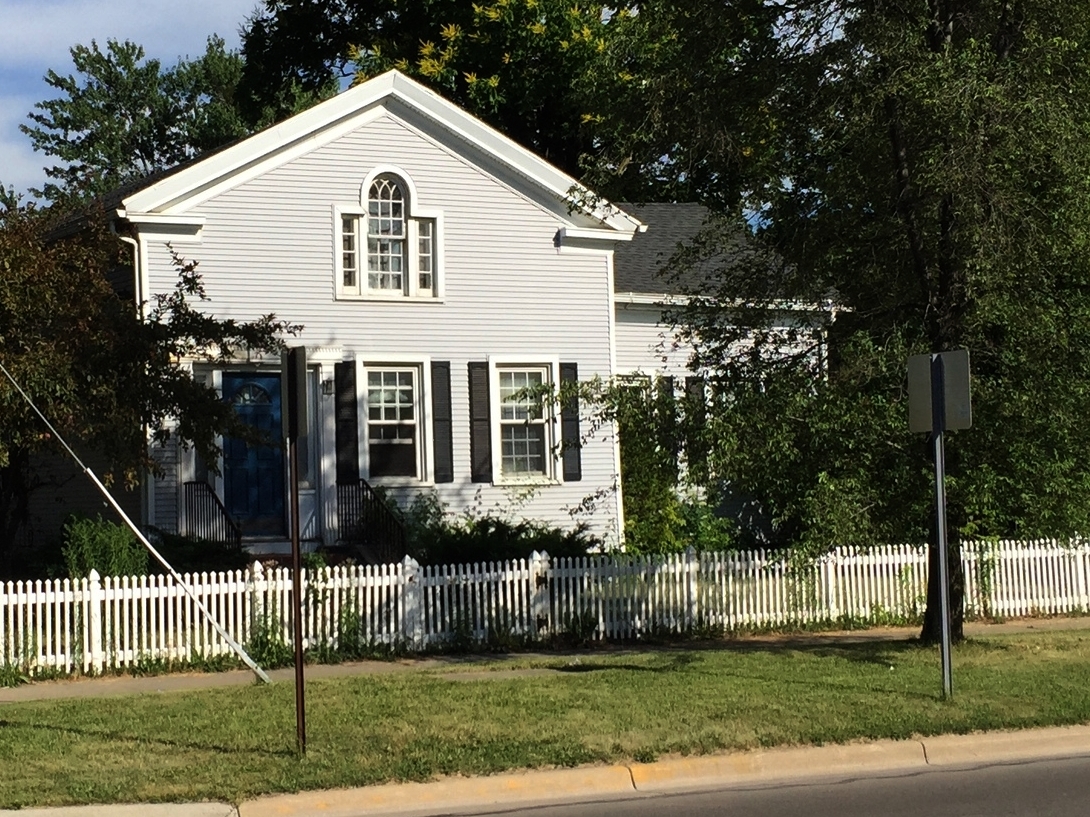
(425, 256)
(392, 458)
(522, 449)
(515, 402)
(349, 265)
(392, 440)
(385, 234)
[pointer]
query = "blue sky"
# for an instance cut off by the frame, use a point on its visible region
(36, 35)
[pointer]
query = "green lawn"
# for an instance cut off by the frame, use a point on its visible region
(231, 744)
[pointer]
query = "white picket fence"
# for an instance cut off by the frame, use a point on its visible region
(96, 624)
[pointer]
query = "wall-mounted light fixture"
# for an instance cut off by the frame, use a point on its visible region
(328, 387)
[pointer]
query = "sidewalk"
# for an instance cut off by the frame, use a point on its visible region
(121, 685)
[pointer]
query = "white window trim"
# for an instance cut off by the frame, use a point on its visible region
(426, 455)
(551, 364)
(413, 215)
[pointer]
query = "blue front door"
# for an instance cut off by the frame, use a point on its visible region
(253, 475)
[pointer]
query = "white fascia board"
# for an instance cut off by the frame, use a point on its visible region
(171, 227)
(650, 299)
(594, 234)
(334, 117)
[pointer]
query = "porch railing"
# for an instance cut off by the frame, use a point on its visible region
(365, 520)
(207, 519)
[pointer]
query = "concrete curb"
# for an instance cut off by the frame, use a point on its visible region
(678, 774)
(587, 783)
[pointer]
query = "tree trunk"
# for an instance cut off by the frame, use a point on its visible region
(932, 617)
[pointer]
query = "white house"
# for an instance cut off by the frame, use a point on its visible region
(439, 269)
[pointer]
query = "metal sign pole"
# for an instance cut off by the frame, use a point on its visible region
(938, 422)
(297, 601)
(296, 363)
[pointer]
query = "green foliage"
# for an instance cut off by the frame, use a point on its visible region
(663, 444)
(12, 675)
(267, 646)
(97, 544)
(432, 538)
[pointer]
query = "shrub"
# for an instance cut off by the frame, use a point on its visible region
(109, 548)
(432, 538)
(677, 525)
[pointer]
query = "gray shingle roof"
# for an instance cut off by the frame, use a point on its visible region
(642, 264)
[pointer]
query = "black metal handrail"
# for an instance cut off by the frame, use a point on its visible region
(207, 519)
(366, 520)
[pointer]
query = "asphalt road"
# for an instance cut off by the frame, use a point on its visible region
(1039, 788)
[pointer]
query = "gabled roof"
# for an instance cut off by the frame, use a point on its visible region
(178, 189)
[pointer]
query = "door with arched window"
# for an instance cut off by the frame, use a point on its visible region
(253, 474)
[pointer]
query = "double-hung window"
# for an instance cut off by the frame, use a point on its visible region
(389, 247)
(393, 422)
(525, 427)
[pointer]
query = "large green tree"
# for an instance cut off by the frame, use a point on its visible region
(518, 64)
(106, 377)
(122, 116)
(925, 166)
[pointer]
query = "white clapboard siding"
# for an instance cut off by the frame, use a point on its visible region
(97, 624)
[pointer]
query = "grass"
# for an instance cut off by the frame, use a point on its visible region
(230, 744)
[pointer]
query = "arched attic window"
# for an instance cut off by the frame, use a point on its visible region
(389, 248)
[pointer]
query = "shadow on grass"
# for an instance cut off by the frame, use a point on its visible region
(111, 735)
(680, 658)
(677, 662)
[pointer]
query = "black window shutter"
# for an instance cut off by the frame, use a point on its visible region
(480, 424)
(571, 445)
(346, 423)
(442, 426)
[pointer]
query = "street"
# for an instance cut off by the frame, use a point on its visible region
(1042, 788)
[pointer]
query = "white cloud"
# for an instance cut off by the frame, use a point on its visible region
(36, 35)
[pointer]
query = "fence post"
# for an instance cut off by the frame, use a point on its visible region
(255, 591)
(95, 598)
(692, 587)
(539, 593)
(1082, 555)
(413, 588)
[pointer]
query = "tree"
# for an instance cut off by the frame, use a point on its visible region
(925, 166)
(517, 64)
(103, 376)
(122, 116)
